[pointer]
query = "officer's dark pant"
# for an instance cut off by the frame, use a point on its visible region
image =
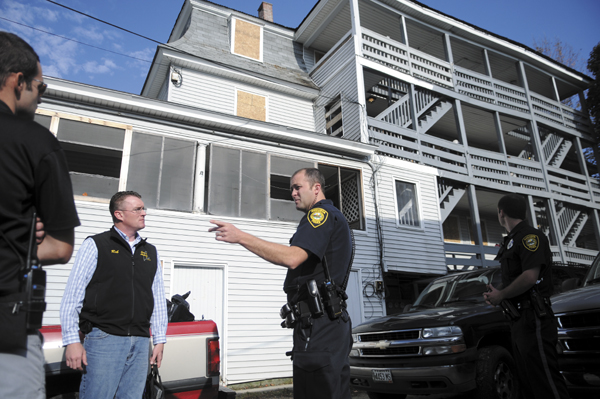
(321, 366)
(534, 345)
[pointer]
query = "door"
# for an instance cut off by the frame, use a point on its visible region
(206, 285)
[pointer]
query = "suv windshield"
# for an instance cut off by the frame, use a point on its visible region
(593, 276)
(463, 287)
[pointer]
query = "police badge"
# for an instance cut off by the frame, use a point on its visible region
(317, 216)
(531, 242)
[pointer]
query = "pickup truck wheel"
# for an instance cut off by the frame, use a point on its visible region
(377, 395)
(496, 374)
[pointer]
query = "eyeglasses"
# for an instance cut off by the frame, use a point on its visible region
(41, 87)
(136, 210)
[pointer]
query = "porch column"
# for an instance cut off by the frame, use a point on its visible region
(362, 101)
(463, 134)
(475, 221)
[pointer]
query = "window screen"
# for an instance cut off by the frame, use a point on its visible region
(224, 181)
(161, 169)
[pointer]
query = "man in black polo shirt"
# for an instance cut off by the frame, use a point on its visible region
(525, 259)
(322, 343)
(34, 178)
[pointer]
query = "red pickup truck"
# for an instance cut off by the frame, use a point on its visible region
(189, 370)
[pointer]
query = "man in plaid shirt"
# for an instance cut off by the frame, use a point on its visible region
(114, 293)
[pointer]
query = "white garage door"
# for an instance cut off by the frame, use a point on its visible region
(206, 285)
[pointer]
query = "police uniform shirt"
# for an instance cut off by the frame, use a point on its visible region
(525, 248)
(35, 176)
(323, 231)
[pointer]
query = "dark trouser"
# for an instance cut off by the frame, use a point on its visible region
(534, 346)
(321, 366)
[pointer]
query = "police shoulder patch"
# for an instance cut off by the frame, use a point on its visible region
(531, 242)
(317, 216)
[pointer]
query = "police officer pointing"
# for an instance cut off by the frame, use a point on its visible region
(525, 259)
(318, 260)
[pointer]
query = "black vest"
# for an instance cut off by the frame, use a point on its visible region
(119, 300)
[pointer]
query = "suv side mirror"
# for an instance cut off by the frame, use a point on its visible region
(407, 308)
(570, 284)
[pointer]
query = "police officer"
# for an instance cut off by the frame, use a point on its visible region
(322, 342)
(34, 177)
(526, 260)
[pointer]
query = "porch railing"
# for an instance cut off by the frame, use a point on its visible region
(400, 57)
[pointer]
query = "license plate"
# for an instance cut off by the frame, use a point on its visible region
(383, 375)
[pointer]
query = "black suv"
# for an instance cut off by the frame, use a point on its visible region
(449, 341)
(578, 314)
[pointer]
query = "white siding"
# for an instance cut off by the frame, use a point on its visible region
(411, 249)
(337, 76)
(163, 94)
(219, 94)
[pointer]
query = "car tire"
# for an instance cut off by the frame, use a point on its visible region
(497, 376)
(378, 395)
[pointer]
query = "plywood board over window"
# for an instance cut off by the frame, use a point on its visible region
(247, 39)
(251, 106)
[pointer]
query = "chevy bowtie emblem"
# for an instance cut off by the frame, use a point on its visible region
(382, 345)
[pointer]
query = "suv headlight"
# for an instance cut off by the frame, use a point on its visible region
(441, 332)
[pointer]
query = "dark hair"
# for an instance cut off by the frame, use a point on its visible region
(313, 176)
(16, 56)
(514, 206)
(117, 200)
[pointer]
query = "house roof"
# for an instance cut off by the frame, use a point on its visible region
(201, 31)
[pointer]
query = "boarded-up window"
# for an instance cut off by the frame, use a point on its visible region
(251, 106)
(161, 169)
(407, 204)
(247, 39)
(94, 154)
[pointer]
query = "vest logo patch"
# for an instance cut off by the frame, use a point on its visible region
(531, 242)
(317, 216)
(145, 255)
(114, 251)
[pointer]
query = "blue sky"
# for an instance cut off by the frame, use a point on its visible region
(574, 22)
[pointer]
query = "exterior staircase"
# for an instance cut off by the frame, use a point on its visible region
(449, 198)
(433, 115)
(555, 149)
(571, 222)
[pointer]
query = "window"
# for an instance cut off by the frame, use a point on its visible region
(161, 169)
(251, 106)
(94, 153)
(333, 118)
(43, 120)
(237, 183)
(246, 39)
(280, 198)
(343, 186)
(407, 204)
(256, 185)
